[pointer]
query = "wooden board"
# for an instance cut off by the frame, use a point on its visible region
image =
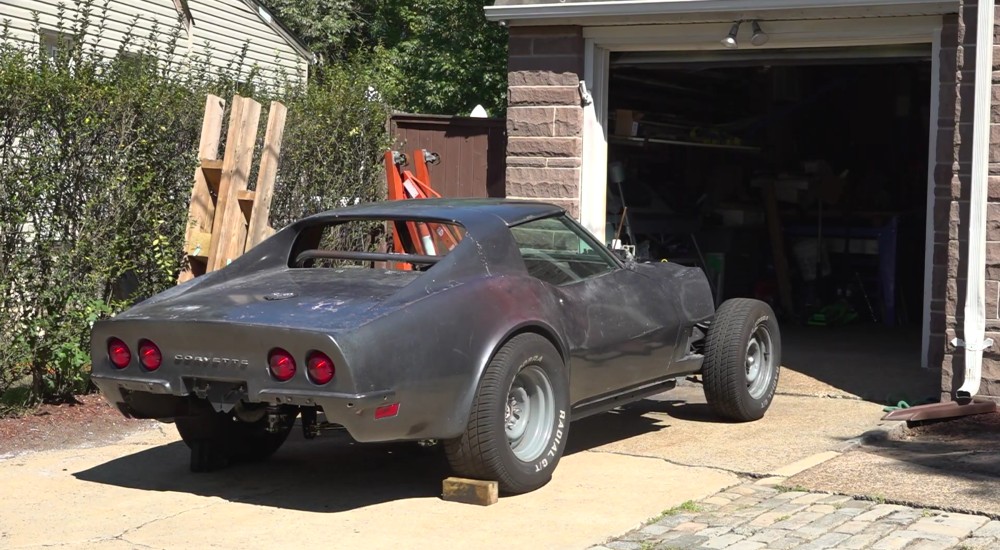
(201, 212)
(229, 230)
(211, 169)
(258, 228)
(198, 245)
(246, 199)
(470, 491)
(226, 217)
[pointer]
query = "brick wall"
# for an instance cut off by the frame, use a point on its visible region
(951, 209)
(545, 115)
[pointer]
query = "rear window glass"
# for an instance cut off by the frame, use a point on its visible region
(376, 243)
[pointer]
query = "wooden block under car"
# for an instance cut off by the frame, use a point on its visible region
(470, 491)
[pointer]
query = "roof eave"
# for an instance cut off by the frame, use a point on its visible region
(612, 8)
(184, 11)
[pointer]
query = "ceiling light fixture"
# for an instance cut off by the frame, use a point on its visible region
(730, 40)
(759, 37)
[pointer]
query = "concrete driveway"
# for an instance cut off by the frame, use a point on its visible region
(621, 469)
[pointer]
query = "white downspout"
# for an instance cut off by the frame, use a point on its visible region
(975, 290)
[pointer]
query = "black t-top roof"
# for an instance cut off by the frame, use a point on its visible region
(512, 212)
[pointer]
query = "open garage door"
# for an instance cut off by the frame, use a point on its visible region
(797, 176)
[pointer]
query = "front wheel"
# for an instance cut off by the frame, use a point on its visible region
(519, 422)
(742, 359)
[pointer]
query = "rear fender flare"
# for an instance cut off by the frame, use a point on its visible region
(533, 326)
(540, 328)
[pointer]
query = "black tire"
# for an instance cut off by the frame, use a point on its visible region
(219, 439)
(733, 388)
(487, 450)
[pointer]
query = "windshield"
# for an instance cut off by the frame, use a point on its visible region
(560, 252)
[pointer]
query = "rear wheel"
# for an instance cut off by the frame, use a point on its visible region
(742, 359)
(519, 422)
(218, 439)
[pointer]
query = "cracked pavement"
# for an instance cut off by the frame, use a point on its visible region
(621, 469)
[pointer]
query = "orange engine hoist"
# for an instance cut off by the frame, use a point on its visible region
(424, 238)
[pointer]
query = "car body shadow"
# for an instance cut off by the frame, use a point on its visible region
(679, 409)
(332, 473)
(635, 419)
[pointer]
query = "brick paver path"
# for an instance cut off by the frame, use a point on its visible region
(753, 516)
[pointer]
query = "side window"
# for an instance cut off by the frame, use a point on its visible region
(559, 253)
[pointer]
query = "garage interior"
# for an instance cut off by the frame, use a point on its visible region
(795, 177)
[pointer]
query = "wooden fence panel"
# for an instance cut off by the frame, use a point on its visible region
(472, 151)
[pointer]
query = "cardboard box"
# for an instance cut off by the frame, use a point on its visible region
(627, 122)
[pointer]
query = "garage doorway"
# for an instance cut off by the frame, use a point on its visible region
(832, 146)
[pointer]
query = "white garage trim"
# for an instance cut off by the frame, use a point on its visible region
(925, 327)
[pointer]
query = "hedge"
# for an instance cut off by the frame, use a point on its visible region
(97, 158)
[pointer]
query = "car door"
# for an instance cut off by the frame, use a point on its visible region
(618, 323)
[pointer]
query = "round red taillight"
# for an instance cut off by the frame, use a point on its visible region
(281, 364)
(149, 355)
(118, 353)
(319, 368)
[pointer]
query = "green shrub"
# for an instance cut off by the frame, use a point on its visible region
(331, 154)
(97, 158)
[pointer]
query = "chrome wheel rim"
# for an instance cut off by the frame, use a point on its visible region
(759, 366)
(529, 413)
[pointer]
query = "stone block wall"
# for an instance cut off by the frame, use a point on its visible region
(951, 210)
(545, 115)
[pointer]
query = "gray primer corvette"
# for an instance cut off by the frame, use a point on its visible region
(417, 338)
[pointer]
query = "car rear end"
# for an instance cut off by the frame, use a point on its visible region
(300, 324)
(159, 369)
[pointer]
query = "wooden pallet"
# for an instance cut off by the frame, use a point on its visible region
(225, 218)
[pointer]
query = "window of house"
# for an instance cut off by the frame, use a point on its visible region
(136, 61)
(52, 41)
(246, 87)
(559, 252)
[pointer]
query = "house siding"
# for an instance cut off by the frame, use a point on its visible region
(227, 24)
(221, 28)
(953, 184)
